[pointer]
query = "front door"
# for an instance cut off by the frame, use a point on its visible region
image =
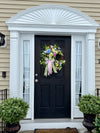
(53, 93)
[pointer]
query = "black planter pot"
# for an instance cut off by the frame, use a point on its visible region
(12, 128)
(88, 121)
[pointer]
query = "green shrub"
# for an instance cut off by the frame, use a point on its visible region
(13, 110)
(97, 124)
(89, 104)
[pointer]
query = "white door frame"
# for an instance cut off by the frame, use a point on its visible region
(74, 109)
(27, 22)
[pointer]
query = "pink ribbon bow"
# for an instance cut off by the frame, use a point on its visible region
(50, 66)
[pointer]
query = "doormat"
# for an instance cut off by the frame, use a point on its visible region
(66, 130)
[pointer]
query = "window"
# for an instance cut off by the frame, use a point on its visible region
(26, 71)
(78, 72)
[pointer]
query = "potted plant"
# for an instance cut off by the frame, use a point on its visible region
(90, 106)
(12, 111)
(97, 124)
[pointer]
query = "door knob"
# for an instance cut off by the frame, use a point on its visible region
(36, 80)
(36, 74)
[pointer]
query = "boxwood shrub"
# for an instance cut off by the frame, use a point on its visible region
(89, 104)
(13, 110)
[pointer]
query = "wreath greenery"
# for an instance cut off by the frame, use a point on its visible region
(52, 59)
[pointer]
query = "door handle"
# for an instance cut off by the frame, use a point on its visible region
(36, 80)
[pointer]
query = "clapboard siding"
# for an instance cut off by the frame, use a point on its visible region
(4, 56)
(6, 79)
(8, 8)
(4, 86)
(4, 69)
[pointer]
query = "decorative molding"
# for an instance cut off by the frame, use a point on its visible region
(51, 15)
(72, 75)
(90, 64)
(14, 34)
(37, 29)
(14, 64)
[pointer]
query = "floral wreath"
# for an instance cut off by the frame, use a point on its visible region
(52, 59)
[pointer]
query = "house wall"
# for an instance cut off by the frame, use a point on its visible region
(8, 8)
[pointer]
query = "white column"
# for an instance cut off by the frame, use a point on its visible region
(14, 64)
(90, 64)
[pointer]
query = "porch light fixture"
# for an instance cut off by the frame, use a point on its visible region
(2, 40)
(99, 44)
(98, 61)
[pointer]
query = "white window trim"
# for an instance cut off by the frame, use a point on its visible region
(27, 37)
(81, 38)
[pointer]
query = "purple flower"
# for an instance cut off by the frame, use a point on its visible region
(45, 52)
(46, 62)
(54, 54)
(51, 46)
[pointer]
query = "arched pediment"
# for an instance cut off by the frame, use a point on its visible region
(52, 15)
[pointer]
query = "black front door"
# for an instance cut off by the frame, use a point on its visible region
(53, 93)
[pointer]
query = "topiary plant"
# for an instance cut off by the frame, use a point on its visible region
(89, 104)
(13, 110)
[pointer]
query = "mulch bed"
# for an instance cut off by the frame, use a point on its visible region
(66, 130)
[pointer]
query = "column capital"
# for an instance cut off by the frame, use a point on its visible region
(91, 36)
(14, 34)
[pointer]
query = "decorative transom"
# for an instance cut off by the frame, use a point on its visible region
(52, 15)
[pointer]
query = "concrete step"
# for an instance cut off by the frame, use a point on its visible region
(28, 126)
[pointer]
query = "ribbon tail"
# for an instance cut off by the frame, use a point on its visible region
(46, 71)
(49, 67)
(54, 68)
